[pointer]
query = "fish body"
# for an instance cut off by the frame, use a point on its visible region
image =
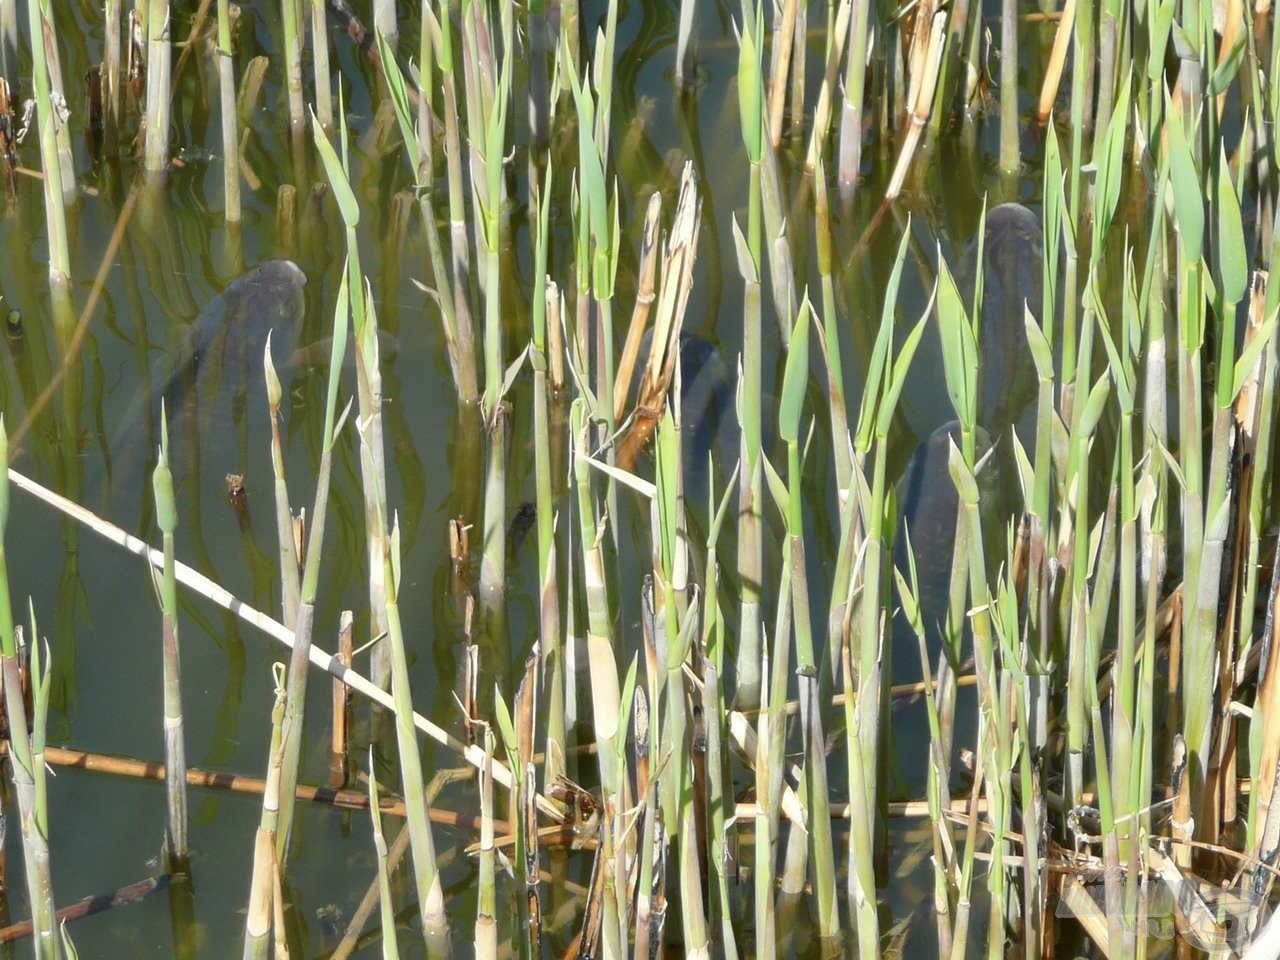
(927, 508)
(708, 415)
(225, 347)
(206, 379)
(1012, 282)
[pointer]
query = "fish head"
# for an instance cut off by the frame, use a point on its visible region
(267, 301)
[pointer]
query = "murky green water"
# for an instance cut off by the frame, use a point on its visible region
(95, 604)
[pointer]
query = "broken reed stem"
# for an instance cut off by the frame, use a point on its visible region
(230, 131)
(340, 737)
(929, 66)
(88, 907)
(159, 61)
(112, 765)
(1057, 61)
(320, 62)
(258, 918)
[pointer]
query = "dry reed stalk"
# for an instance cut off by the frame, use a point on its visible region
(1267, 713)
(924, 78)
(340, 737)
(236, 783)
(250, 87)
(555, 338)
(685, 68)
(72, 348)
(1079, 901)
(1057, 61)
(678, 258)
(89, 906)
(258, 919)
(779, 65)
(644, 302)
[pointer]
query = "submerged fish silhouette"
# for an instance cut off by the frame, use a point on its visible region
(1012, 280)
(207, 378)
(708, 414)
(927, 507)
(1012, 276)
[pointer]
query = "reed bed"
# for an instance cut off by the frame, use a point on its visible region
(742, 699)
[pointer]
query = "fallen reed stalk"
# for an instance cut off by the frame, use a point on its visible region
(89, 906)
(238, 783)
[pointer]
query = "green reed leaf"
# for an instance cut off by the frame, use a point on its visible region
(1188, 200)
(750, 110)
(1096, 404)
(959, 350)
(1249, 355)
(1111, 168)
(400, 101)
(901, 365)
(337, 175)
(1227, 67)
(880, 352)
(1231, 260)
(795, 379)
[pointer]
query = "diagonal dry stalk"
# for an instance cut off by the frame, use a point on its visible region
(194, 580)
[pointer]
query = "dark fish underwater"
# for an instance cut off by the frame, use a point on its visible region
(1012, 275)
(708, 415)
(1012, 281)
(206, 381)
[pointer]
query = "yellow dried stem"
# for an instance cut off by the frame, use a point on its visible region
(926, 70)
(1057, 61)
